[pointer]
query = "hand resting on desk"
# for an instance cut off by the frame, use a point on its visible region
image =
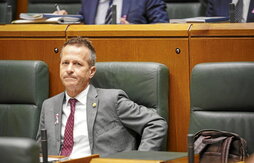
(61, 12)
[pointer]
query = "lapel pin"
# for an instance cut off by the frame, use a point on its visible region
(57, 119)
(94, 105)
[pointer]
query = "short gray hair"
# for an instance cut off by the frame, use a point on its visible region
(79, 41)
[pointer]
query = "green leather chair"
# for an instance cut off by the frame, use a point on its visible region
(179, 9)
(48, 6)
(186, 10)
(222, 98)
(146, 83)
(7, 11)
(18, 150)
(24, 85)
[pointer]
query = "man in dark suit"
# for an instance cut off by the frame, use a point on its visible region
(221, 8)
(130, 11)
(85, 120)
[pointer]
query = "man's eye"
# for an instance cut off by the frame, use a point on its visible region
(78, 64)
(65, 63)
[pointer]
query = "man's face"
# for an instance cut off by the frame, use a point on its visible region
(75, 71)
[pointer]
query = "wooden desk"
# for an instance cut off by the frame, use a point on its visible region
(146, 157)
(104, 160)
(82, 160)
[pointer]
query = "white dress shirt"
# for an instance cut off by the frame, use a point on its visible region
(103, 8)
(246, 4)
(81, 146)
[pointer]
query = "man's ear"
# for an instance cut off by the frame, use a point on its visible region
(92, 71)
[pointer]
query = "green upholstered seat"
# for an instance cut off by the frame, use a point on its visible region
(146, 83)
(18, 150)
(222, 97)
(24, 85)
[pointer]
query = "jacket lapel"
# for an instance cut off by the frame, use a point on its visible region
(92, 108)
(58, 119)
(91, 10)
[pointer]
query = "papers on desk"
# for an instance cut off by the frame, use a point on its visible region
(52, 159)
(55, 20)
(35, 18)
(201, 20)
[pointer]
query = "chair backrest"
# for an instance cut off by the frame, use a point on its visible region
(48, 6)
(7, 11)
(146, 83)
(24, 85)
(19, 150)
(179, 9)
(222, 98)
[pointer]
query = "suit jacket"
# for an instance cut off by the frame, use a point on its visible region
(113, 124)
(221, 8)
(137, 11)
(218, 7)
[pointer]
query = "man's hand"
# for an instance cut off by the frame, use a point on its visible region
(61, 12)
(123, 20)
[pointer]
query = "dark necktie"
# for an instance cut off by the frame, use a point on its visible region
(108, 18)
(250, 17)
(68, 133)
(239, 11)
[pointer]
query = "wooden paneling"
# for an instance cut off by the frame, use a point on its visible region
(221, 43)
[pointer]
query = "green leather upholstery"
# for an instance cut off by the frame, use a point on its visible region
(6, 14)
(48, 6)
(222, 97)
(24, 85)
(146, 83)
(180, 10)
(3, 11)
(18, 150)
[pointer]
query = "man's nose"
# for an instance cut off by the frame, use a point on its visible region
(70, 68)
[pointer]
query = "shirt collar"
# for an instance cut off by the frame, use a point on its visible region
(80, 97)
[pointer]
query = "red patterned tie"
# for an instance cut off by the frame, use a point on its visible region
(68, 133)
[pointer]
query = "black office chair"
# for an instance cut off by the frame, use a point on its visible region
(146, 83)
(222, 98)
(18, 150)
(48, 6)
(24, 85)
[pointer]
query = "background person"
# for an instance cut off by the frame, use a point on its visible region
(128, 11)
